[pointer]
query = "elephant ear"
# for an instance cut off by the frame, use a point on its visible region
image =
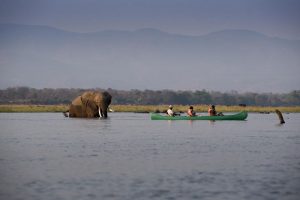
(84, 101)
(87, 103)
(91, 104)
(90, 107)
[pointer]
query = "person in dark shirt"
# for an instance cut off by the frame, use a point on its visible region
(212, 111)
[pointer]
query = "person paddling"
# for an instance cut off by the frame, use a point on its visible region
(191, 112)
(170, 112)
(212, 111)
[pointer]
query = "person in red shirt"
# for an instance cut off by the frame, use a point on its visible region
(191, 112)
(212, 111)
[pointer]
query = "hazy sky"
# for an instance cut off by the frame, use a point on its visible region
(194, 17)
(276, 64)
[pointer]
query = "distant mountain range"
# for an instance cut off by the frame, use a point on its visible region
(243, 60)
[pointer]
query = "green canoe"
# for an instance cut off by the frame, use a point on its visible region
(239, 116)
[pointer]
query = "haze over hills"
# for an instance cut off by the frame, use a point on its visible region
(242, 60)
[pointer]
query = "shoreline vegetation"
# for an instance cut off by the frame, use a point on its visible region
(20, 108)
(63, 96)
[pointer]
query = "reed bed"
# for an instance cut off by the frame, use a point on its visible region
(152, 108)
(33, 108)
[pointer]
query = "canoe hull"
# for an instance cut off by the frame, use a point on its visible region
(239, 116)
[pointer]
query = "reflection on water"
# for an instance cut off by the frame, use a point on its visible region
(128, 156)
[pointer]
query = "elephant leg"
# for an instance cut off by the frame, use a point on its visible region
(77, 111)
(105, 114)
(71, 111)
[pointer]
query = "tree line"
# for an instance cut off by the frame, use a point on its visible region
(50, 96)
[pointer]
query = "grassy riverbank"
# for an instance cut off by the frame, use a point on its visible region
(149, 108)
(33, 108)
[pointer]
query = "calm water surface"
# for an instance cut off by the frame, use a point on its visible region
(128, 156)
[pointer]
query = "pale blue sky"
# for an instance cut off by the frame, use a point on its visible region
(194, 17)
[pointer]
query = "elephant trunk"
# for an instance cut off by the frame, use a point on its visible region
(105, 113)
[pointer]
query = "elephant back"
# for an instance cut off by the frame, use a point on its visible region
(77, 101)
(89, 95)
(103, 97)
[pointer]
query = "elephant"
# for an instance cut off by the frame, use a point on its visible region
(90, 105)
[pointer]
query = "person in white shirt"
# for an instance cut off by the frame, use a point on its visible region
(170, 111)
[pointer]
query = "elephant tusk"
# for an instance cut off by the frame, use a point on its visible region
(100, 114)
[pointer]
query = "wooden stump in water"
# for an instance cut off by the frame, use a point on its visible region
(279, 114)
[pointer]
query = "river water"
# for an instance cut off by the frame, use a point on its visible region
(128, 157)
